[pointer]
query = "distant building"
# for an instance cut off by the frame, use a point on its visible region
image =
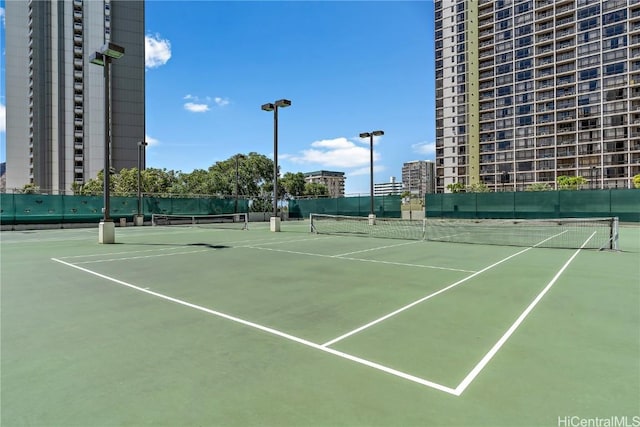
(418, 177)
(388, 188)
(334, 181)
(55, 96)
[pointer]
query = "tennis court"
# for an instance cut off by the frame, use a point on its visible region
(199, 326)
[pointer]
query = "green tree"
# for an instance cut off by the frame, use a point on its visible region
(94, 186)
(480, 187)
(570, 182)
(456, 187)
(293, 184)
(125, 183)
(315, 189)
(196, 182)
(76, 188)
(30, 189)
(636, 181)
(539, 186)
(255, 176)
(158, 181)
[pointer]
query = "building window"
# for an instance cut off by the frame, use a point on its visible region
(591, 73)
(614, 69)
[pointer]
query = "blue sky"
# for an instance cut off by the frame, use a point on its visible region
(347, 67)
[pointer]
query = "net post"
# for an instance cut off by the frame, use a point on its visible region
(424, 228)
(614, 233)
(310, 223)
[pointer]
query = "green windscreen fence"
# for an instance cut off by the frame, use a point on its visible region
(194, 206)
(383, 206)
(622, 203)
(53, 209)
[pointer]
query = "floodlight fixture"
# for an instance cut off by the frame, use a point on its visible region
(103, 58)
(96, 58)
(370, 135)
(281, 103)
(112, 50)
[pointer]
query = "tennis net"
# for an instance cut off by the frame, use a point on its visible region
(591, 233)
(392, 228)
(229, 221)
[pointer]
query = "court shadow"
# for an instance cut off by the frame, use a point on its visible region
(207, 245)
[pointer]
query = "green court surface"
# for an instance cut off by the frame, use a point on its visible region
(192, 326)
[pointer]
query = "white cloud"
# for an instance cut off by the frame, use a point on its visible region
(196, 108)
(2, 16)
(150, 141)
(338, 152)
(3, 118)
(198, 105)
(367, 170)
(221, 102)
(425, 148)
(157, 51)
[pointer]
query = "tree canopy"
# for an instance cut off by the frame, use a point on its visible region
(570, 182)
(248, 175)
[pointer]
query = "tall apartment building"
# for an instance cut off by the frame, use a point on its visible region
(530, 90)
(388, 188)
(334, 181)
(418, 177)
(55, 96)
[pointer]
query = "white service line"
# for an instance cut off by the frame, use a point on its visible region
(272, 331)
(120, 253)
(279, 242)
(408, 306)
(141, 256)
(359, 259)
(487, 357)
(376, 249)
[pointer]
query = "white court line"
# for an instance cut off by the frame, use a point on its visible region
(141, 257)
(173, 248)
(36, 240)
(119, 253)
(375, 249)
(279, 242)
(404, 264)
(487, 357)
(414, 303)
(272, 331)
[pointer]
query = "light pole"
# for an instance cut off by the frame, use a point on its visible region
(141, 155)
(237, 156)
(103, 57)
(370, 135)
(281, 103)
